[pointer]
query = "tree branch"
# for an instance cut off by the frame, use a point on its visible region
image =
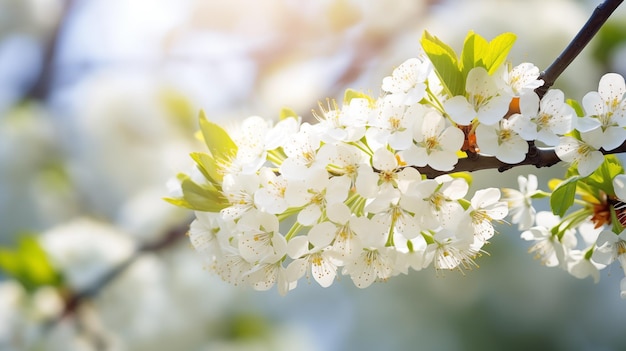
(536, 156)
(599, 16)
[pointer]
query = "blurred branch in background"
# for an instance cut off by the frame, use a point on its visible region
(41, 88)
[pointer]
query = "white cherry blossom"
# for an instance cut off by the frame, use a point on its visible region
(392, 124)
(520, 201)
(485, 207)
(316, 261)
(261, 241)
(436, 144)
(501, 141)
(611, 247)
(583, 153)
(606, 110)
(521, 79)
(482, 100)
(544, 120)
(408, 81)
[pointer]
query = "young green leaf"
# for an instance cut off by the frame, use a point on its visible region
(197, 197)
(220, 145)
(497, 51)
(445, 63)
(29, 264)
(474, 49)
(286, 112)
(208, 166)
(563, 196)
(353, 94)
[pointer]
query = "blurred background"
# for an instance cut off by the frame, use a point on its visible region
(98, 106)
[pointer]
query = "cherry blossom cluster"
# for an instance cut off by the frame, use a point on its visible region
(345, 195)
(583, 241)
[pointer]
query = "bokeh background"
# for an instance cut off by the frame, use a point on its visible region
(98, 106)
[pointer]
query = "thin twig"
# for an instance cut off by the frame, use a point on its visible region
(599, 16)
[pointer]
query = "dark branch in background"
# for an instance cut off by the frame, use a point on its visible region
(41, 88)
(599, 16)
(75, 299)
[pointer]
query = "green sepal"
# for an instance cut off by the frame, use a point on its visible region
(563, 196)
(205, 197)
(354, 94)
(287, 112)
(220, 145)
(444, 60)
(28, 263)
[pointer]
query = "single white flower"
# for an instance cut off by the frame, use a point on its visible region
(346, 124)
(501, 141)
(408, 81)
(450, 251)
(485, 207)
(611, 247)
(544, 120)
(482, 100)
(520, 201)
(250, 139)
(239, 189)
(606, 110)
(270, 197)
(372, 264)
(548, 247)
(260, 240)
(436, 144)
(583, 153)
(435, 201)
(265, 275)
(392, 124)
(581, 267)
(314, 193)
(521, 79)
(317, 260)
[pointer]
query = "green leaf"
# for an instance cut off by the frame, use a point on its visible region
(202, 197)
(563, 196)
(286, 112)
(444, 60)
(474, 50)
(497, 51)
(576, 106)
(353, 94)
(29, 264)
(602, 178)
(220, 145)
(208, 166)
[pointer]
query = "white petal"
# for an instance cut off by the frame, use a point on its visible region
(460, 110)
(322, 234)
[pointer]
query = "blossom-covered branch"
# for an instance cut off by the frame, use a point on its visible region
(373, 189)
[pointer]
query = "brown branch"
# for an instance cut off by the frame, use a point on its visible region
(536, 156)
(41, 88)
(599, 16)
